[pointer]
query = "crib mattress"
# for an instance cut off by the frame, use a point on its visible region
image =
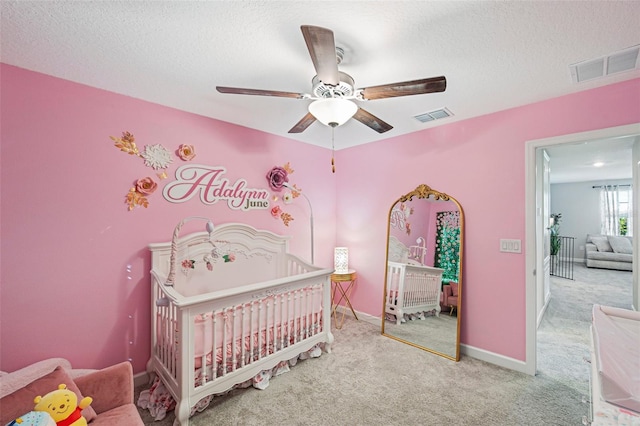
(616, 337)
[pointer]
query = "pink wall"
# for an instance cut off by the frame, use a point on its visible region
(74, 270)
(68, 242)
(480, 162)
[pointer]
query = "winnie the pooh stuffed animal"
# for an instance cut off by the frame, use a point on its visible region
(62, 405)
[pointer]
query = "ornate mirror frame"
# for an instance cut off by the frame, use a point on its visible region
(423, 191)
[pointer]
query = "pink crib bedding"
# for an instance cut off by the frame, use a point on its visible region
(248, 331)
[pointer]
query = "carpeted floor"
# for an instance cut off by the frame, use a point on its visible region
(563, 334)
(370, 379)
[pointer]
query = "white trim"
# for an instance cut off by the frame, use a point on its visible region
(141, 379)
(362, 316)
(493, 358)
(530, 223)
(542, 311)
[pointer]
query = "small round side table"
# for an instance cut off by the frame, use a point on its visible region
(343, 284)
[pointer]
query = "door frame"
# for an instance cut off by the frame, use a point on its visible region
(534, 251)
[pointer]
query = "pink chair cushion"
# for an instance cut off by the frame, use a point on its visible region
(454, 289)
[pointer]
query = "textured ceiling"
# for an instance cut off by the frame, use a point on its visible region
(495, 55)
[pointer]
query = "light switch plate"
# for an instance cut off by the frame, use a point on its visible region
(510, 246)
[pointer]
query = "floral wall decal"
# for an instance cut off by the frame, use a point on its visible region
(156, 156)
(186, 152)
(137, 196)
(278, 178)
(126, 143)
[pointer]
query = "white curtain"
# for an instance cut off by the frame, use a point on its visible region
(615, 202)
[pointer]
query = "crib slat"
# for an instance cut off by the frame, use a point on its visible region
(252, 333)
(225, 340)
(214, 350)
(242, 335)
(260, 343)
(233, 340)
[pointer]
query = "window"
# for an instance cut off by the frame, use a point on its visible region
(616, 209)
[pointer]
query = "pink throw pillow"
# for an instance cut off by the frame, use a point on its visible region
(454, 289)
(21, 402)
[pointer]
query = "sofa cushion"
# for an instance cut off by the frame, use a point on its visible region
(620, 244)
(610, 256)
(454, 289)
(602, 243)
(20, 402)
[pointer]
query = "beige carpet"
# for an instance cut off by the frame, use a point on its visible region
(563, 334)
(370, 379)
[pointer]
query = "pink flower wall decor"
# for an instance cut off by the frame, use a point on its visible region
(127, 143)
(186, 152)
(277, 177)
(137, 196)
(146, 186)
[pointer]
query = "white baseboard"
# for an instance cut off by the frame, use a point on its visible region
(470, 351)
(362, 316)
(496, 359)
(141, 379)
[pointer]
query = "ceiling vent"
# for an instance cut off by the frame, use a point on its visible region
(623, 60)
(433, 115)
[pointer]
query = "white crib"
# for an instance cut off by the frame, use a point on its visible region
(240, 304)
(412, 288)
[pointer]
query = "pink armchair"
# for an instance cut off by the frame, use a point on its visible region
(111, 389)
(449, 297)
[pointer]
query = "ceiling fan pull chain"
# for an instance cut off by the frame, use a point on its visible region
(333, 150)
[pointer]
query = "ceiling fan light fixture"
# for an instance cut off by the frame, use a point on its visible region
(333, 112)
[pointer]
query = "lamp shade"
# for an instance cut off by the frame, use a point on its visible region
(333, 111)
(341, 260)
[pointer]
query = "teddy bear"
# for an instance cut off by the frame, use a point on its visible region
(62, 405)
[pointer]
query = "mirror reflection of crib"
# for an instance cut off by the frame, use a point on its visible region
(413, 289)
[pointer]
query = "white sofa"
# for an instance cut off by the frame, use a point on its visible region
(609, 252)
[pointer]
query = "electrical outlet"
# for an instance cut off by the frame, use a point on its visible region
(510, 246)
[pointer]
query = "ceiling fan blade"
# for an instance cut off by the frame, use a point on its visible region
(372, 121)
(258, 92)
(302, 125)
(414, 87)
(322, 48)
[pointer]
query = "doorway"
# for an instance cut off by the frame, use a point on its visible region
(535, 223)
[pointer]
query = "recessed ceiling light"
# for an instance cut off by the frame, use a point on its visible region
(598, 164)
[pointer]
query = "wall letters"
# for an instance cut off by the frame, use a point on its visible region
(211, 185)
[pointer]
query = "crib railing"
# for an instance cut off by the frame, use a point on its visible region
(221, 342)
(421, 289)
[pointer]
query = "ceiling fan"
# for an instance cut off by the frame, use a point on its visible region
(333, 91)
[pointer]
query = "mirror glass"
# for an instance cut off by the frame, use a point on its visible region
(423, 279)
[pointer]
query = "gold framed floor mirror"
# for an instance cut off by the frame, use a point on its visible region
(423, 275)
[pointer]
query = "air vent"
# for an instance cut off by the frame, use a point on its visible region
(624, 60)
(433, 115)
